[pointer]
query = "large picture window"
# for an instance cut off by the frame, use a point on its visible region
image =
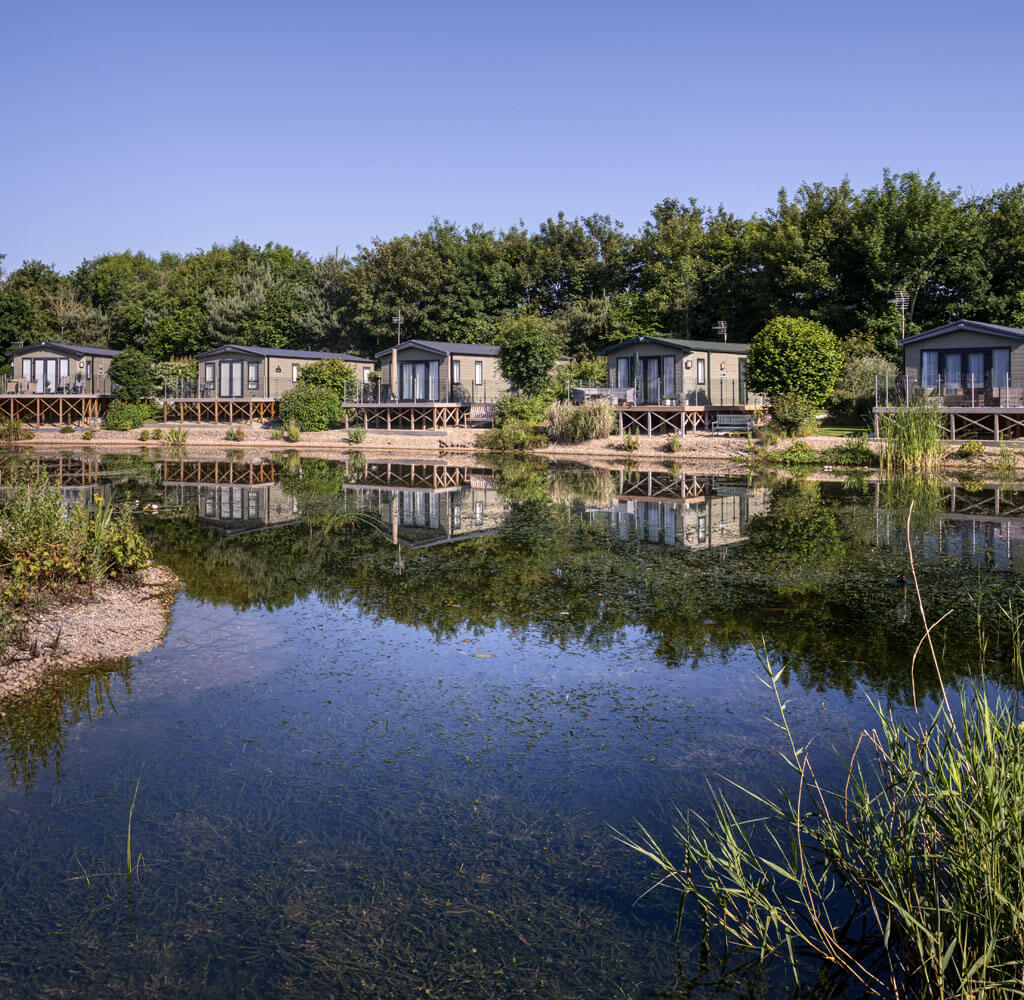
(965, 369)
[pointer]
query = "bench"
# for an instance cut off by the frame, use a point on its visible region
(729, 423)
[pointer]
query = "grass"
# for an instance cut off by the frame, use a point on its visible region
(913, 438)
(827, 430)
(571, 424)
(908, 881)
(357, 435)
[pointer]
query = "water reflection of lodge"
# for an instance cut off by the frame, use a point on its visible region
(980, 527)
(232, 496)
(79, 477)
(420, 504)
(680, 510)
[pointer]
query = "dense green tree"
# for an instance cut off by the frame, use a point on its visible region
(330, 373)
(529, 350)
(794, 356)
(132, 373)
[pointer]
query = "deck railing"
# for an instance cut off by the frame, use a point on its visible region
(11, 385)
(901, 390)
(362, 394)
(712, 392)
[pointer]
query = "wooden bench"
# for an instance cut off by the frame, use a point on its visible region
(729, 423)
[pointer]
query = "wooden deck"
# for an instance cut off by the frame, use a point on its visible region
(983, 423)
(650, 420)
(220, 411)
(407, 416)
(40, 409)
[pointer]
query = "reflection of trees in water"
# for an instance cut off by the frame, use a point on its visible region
(34, 726)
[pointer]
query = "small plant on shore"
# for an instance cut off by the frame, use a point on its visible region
(513, 435)
(67, 429)
(630, 441)
(277, 434)
(234, 434)
(912, 437)
(1006, 462)
(87, 435)
(571, 424)
(292, 431)
(969, 450)
(674, 443)
(14, 430)
(144, 436)
(357, 434)
(176, 435)
(156, 433)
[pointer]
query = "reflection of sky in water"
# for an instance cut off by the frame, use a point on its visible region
(335, 804)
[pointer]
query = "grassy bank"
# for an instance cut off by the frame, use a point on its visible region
(51, 550)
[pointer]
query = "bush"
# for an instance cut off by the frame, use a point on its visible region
(292, 431)
(970, 449)
(512, 436)
(144, 436)
(571, 424)
(522, 408)
(674, 443)
(123, 416)
(15, 430)
(67, 429)
(176, 435)
(87, 435)
(357, 434)
(854, 394)
(132, 373)
(311, 407)
(630, 441)
(234, 434)
(794, 414)
(330, 373)
(794, 357)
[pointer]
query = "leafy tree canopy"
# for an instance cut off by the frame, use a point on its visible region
(529, 349)
(330, 373)
(794, 356)
(132, 373)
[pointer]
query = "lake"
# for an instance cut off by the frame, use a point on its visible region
(403, 707)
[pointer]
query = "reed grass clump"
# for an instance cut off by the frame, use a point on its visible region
(571, 424)
(357, 435)
(913, 437)
(907, 881)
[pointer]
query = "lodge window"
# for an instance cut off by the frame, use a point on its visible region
(295, 373)
(478, 372)
(959, 370)
(456, 371)
(210, 372)
(702, 372)
(254, 375)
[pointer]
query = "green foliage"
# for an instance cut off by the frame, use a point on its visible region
(630, 441)
(357, 434)
(571, 424)
(123, 416)
(513, 435)
(919, 850)
(12, 430)
(913, 437)
(311, 407)
(522, 409)
(854, 394)
(156, 433)
(176, 435)
(132, 373)
(1005, 464)
(970, 450)
(144, 436)
(330, 373)
(794, 356)
(291, 431)
(674, 443)
(793, 413)
(46, 545)
(529, 348)
(67, 429)
(234, 434)
(88, 435)
(170, 376)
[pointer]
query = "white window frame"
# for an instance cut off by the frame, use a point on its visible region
(295, 372)
(456, 371)
(478, 373)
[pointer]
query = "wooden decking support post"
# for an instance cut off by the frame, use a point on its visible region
(952, 426)
(995, 422)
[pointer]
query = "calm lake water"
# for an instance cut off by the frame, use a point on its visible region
(402, 708)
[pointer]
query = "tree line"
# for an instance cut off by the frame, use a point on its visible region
(840, 257)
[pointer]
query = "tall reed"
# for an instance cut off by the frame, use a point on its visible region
(908, 880)
(913, 437)
(571, 424)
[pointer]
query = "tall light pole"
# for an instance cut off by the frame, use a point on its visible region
(397, 320)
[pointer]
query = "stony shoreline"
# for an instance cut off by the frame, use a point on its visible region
(120, 618)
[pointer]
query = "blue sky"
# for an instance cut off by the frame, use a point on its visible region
(324, 125)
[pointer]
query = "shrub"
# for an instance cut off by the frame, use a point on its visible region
(357, 434)
(177, 435)
(571, 424)
(132, 374)
(793, 413)
(67, 429)
(330, 373)
(674, 443)
(277, 434)
(170, 376)
(123, 416)
(794, 356)
(522, 408)
(530, 348)
(14, 430)
(512, 436)
(630, 441)
(87, 435)
(156, 433)
(234, 434)
(292, 431)
(144, 436)
(311, 407)
(970, 449)
(855, 452)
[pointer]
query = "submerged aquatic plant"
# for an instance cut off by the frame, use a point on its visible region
(909, 880)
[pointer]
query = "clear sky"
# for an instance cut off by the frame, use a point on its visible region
(325, 124)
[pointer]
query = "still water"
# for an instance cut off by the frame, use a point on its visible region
(402, 708)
